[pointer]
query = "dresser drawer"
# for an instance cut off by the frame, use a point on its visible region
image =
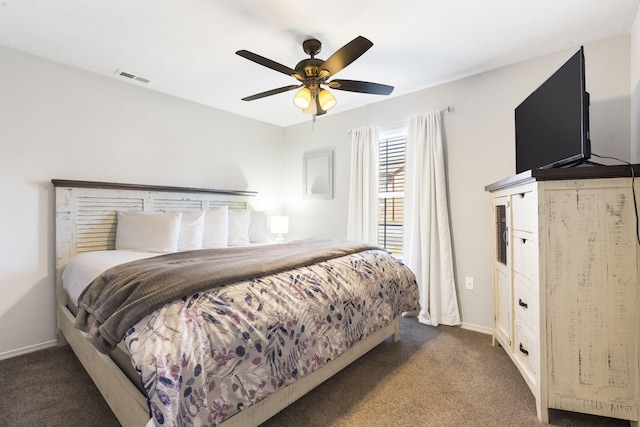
(525, 256)
(525, 302)
(527, 351)
(525, 211)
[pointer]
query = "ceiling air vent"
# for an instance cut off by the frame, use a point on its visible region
(131, 76)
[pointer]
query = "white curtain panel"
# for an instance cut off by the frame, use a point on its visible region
(427, 237)
(362, 216)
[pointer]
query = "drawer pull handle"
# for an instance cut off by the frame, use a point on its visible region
(522, 303)
(523, 240)
(523, 350)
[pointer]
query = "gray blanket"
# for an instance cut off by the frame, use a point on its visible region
(124, 294)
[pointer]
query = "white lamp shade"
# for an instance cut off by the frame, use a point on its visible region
(279, 224)
(302, 98)
(326, 99)
(312, 109)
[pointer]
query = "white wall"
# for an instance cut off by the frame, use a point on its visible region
(635, 89)
(479, 149)
(61, 122)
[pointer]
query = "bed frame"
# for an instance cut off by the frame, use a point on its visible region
(86, 221)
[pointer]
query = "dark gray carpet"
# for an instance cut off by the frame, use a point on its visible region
(50, 388)
(433, 377)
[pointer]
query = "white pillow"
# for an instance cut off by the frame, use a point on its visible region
(216, 228)
(149, 232)
(239, 227)
(258, 227)
(191, 230)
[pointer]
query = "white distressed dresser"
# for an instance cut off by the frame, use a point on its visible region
(566, 286)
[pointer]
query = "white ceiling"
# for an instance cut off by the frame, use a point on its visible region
(186, 48)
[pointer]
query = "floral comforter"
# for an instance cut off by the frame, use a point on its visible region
(212, 354)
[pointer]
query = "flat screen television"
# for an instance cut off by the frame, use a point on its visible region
(552, 124)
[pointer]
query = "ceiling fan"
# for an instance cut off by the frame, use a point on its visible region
(313, 73)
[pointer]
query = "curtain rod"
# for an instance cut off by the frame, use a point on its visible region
(447, 109)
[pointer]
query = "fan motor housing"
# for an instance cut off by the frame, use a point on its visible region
(309, 67)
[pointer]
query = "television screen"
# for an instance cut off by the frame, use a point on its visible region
(552, 124)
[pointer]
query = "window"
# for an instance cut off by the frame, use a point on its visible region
(391, 189)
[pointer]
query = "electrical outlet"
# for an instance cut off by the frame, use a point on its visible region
(468, 283)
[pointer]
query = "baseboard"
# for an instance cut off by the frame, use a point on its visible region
(477, 328)
(26, 350)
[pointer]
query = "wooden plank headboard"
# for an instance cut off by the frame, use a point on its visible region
(86, 212)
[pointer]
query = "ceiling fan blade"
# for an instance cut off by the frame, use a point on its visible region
(270, 64)
(361, 87)
(270, 92)
(346, 55)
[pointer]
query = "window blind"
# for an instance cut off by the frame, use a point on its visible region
(391, 193)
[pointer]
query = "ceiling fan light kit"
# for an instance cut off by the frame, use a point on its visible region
(306, 99)
(314, 72)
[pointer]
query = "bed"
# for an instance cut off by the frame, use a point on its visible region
(281, 353)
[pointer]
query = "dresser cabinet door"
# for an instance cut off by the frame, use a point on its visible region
(592, 302)
(503, 309)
